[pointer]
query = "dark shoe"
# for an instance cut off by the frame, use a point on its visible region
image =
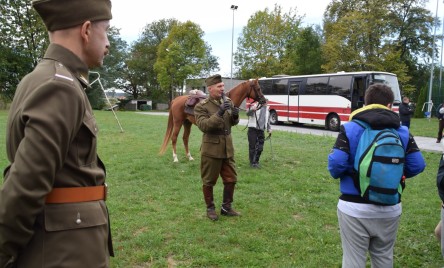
(255, 165)
(438, 141)
(229, 212)
(211, 214)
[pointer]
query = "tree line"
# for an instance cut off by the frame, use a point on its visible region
(382, 35)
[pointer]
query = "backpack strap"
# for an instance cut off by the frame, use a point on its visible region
(354, 173)
(361, 123)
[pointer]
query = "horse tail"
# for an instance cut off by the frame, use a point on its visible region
(168, 133)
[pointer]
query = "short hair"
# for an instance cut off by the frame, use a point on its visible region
(379, 94)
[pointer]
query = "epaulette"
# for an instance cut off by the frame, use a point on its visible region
(205, 101)
(62, 73)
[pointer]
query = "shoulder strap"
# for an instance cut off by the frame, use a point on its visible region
(361, 123)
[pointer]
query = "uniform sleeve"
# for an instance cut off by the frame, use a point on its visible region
(206, 121)
(49, 118)
(234, 119)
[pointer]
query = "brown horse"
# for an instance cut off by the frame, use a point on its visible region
(177, 116)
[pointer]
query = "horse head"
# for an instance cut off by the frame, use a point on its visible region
(255, 92)
(247, 89)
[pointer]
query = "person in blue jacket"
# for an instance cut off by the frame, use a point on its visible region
(366, 227)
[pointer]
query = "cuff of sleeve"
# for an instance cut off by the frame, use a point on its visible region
(6, 261)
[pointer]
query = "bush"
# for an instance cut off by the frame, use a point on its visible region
(145, 107)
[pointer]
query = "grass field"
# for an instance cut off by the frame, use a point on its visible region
(288, 207)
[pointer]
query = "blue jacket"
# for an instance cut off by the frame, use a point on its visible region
(341, 158)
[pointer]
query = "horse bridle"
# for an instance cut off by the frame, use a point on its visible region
(260, 97)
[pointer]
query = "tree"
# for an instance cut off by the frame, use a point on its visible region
(114, 63)
(141, 76)
(383, 35)
(263, 48)
(181, 55)
(111, 72)
(23, 41)
(304, 54)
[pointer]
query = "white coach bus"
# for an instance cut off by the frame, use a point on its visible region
(322, 99)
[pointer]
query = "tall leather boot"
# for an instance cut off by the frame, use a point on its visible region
(208, 196)
(226, 209)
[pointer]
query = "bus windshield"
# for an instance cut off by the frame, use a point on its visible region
(391, 81)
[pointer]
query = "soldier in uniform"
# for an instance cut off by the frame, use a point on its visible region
(215, 116)
(52, 201)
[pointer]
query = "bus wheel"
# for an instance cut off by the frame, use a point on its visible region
(333, 122)
(273, 118)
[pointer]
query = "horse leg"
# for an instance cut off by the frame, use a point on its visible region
(186, 136)
(176, 130)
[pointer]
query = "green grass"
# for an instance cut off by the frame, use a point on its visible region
(424, 127)
(289, 206)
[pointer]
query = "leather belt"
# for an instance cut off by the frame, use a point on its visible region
(220, 132)
(76, 194)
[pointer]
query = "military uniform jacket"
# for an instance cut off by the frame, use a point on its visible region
(51, 142)
(216, 138)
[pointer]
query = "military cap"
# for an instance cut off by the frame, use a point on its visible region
(212, 80)
(62, 14)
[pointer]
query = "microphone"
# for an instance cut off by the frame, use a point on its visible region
(224, 97)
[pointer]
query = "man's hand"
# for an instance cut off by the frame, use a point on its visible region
(235, 111)
(223, 107)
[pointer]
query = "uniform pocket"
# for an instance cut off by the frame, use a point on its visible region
(87, 142)
(61, 217)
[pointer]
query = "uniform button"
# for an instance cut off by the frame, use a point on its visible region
(78, 221)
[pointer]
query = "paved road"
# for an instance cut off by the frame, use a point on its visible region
(424, 143)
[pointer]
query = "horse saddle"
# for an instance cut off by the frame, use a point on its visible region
(194, 98)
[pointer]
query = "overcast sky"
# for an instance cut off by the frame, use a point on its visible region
(215, 18)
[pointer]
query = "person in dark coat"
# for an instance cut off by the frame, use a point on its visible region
(405, 112)
(52, 201)
(214, 117)
(440, 116)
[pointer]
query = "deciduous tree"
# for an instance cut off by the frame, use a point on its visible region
(23, 41)
(382, 35)
(263, 47)
(183, 54)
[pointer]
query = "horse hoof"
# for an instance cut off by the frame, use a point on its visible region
(191, 159)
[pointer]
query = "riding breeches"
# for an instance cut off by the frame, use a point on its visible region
(211, 168)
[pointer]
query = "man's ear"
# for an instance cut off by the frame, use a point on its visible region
(85, 31)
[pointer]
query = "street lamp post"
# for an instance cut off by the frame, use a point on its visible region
(233, 7)
(432, 68)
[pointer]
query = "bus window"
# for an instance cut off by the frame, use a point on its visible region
(266, 86)
(280, 87)
(316, 86)
(340, 85)
(294, 88)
